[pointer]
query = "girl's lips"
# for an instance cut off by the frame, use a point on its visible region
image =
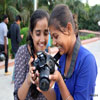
(60, 48)
(41, 45)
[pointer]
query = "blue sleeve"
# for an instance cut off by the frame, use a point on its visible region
(85, 82)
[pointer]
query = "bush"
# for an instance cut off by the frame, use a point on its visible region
(88, 36)
(24, 31)
(9, 45)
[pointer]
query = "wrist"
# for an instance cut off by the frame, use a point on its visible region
(28, 82)
(59, 78)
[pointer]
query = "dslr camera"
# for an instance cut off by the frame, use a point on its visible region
(45, 64)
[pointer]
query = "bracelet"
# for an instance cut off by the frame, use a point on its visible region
(68, 97)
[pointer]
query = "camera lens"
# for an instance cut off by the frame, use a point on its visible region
(44, 84)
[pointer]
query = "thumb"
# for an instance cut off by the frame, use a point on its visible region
(53, 77)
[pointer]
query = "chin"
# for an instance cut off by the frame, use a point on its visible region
(61, 53)
(42, 49)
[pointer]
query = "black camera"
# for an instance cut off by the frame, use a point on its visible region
(45, 64)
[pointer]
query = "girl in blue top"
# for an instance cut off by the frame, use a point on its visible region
(76, 78)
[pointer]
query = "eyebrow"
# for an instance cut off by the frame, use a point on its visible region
(46, 30)
(37, 30)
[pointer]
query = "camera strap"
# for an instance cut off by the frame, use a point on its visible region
(74, 58)
(56, 58)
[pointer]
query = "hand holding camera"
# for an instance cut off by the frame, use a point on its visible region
(45, 65)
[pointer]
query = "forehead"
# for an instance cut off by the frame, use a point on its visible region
(42, 23)
(53, 29)
(6, 18)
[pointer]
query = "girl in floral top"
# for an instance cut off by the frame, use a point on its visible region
(36, 41)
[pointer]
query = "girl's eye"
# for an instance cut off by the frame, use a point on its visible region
(37, 32)
(46, 32)
(56, 36)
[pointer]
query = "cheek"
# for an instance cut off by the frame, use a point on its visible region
(46, 39)
(35, 40)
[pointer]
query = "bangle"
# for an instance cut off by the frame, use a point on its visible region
(68, 97)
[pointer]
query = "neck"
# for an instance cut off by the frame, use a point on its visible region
(4, 22)
(17, 23)
(72, 46)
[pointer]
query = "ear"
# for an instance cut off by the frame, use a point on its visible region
(69, 28)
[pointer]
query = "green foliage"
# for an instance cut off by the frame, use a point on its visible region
(87, 16)
(12, 12)
(24, 31)
(9, 45)
(88, 36)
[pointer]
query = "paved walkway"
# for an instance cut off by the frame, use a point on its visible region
(94, 47)
(6, 88)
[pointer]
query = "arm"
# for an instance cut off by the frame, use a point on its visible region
(5, 30)
(85, 83)
(51, 95)
(64, 90)
(22, 83)
(18, 34)
(5, 44)
(62, 86)
(23, 90)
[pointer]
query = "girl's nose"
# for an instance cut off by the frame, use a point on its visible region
(42, 38)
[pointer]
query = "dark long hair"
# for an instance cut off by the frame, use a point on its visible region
(36, 16)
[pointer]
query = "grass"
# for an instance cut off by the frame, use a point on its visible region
(88, 36)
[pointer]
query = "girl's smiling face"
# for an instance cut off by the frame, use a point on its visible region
(40, 35)
(60, 39)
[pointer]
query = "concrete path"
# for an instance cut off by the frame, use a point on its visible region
(6, 88)
(94, 47)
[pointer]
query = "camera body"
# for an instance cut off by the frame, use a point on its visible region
(45, 64)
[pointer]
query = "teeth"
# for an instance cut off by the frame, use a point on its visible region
(41, 44)
(59, 47)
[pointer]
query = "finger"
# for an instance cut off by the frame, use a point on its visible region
(32, 69)
(39, 89)
(30, 61)
(32, 81)
(53, 77)
(37, 73)
(37, 81)
(34, 78)
(51, 84)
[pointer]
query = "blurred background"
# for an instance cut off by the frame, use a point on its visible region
(87, 13)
